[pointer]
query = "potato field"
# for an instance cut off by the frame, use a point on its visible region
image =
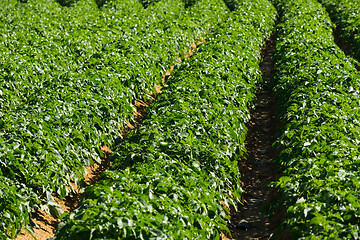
(137, 113)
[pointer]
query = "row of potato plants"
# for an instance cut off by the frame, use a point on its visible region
(171, 174)
(69, 79)
(346, 15)
(320, 110)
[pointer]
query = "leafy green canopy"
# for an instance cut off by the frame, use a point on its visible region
(171, 174)
(69, 78)
(319, 89)
(346, 16)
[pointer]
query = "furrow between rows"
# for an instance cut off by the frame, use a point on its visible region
(172, 175)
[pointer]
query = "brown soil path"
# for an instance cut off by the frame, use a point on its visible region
(258, 170)
(46, 223)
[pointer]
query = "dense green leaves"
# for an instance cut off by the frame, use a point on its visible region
(319, 89)
(171, 174)
(346, 15)
(69, 78)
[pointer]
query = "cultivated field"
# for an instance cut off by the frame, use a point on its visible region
(179, 119)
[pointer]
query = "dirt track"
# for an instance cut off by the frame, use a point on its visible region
(257, 170)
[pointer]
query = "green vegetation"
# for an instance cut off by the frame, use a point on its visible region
(319, 89)
(171, 174)
(71, 72)
(346, 16)
(69, 78)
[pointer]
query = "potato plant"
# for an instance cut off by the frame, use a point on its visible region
(319, 89)
(69, 79)
(346, 15)
(171, 174)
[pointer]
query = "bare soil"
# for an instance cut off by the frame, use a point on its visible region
(257, 169)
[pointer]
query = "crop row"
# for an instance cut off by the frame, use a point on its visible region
(319, 90)
(346, 16)
(69, 79)
(172, 174)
